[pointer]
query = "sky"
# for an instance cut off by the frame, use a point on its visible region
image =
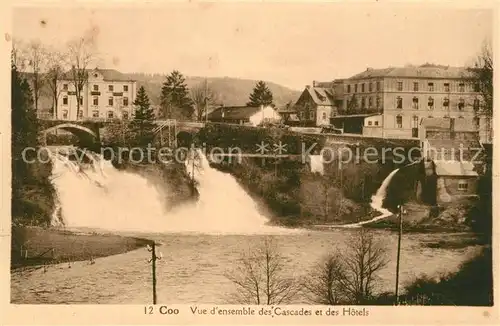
(287, 43)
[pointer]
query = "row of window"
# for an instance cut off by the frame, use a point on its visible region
(95, 101)
(430, 103)
(416, 87)
(375, 123)
(95, 88)
(95, 114)
(362, 87)
(415, 121)
(311, 115)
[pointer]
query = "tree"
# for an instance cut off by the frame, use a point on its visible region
(481, 78)
(348, 277)
(36, 57)
(261, 95)
(55, 72)
(260, 277)
(143, 122)
(24, 122)
(203, 98)
(81, 53)
(175, 101)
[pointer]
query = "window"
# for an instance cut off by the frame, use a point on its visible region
(307, 115)
(125, 101)
(399, 102)
(476, 123)
(110, 115)
(324, 116)
(110, 88)
(415, 121)
(378, 86)
(400, 86)
(95, 100)
(355, 88)
(96, 88)
(65, 114)
(446, 102)
(446, 87)
(125, 88)
(370, 102)
(348, 88)
(80, 113)
(95, 113)
(378, 102)
(81, 100)
(399, 121)
(463, 185)
(125, 115)
(415, 103)
(65, 100)
(363, 102)
(65, 87)
(461, 87)
(476, 104)
(362, 88)
(460, 117)
(415, 86)
(430, 87)
(313, 115)
(369, 123)
(430, 103)
(110, 101)
(477, 89)
(461, 104)
(370, 87)
(376, 123)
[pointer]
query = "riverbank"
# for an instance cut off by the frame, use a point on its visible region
(32, 246)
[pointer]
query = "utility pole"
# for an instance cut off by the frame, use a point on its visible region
(400, 213)
(206, 101)
(153, 260)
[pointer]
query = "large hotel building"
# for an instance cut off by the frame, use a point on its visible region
(392, 102)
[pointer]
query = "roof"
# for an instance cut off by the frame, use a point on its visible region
(233, 112)
(108, 74)
(321, 95)
(454, 168)
(366, 115)
(423, 71)
(460, 124)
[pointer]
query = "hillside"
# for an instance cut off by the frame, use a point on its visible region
(231, 91)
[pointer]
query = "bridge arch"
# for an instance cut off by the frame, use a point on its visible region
(85, 135)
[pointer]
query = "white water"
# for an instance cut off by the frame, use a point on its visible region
(376, 203)
(316, 162)
(98, 196)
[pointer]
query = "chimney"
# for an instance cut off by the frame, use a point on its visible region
(314, 83)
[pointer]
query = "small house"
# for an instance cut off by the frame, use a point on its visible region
(454, 180)
(244, 115)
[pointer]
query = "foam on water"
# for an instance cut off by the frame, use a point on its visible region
(99, 196)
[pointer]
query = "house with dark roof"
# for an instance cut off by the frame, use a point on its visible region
(318, 103)
(244, 115)
(106, 94)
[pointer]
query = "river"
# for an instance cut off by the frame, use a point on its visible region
(200, 243)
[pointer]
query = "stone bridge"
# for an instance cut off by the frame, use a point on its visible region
(89, 132)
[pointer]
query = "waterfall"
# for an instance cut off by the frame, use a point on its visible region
(377, 202)
(98, 196)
